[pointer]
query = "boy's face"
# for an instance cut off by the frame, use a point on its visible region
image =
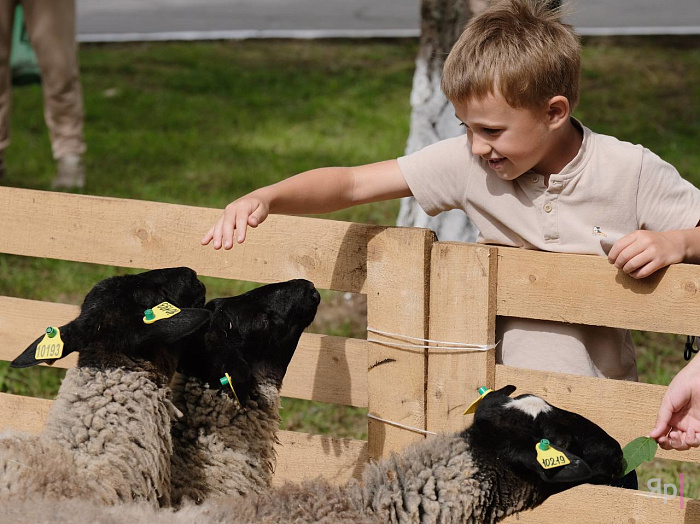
(512, 141)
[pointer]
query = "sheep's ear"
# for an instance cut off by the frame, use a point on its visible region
(506, 390)
(29, 356)
(174, 328)
(577, 470)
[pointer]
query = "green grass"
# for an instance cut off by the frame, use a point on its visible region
(203, 123)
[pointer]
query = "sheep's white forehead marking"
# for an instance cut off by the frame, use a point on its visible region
(531, 405)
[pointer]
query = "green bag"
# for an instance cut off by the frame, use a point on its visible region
(23, 62)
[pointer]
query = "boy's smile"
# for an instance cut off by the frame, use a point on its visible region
(514, 141)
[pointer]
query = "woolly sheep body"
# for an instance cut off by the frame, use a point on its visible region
(106, 437)
(221, 448)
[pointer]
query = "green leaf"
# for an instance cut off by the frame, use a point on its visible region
(640, 450)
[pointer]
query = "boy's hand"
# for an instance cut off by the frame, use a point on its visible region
(678, 422)
(641, 253)
(237, 216)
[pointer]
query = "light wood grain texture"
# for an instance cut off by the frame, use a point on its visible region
(324, 368)
(626, 410)
(462, 309)
(604, 505)
(585, 289)
(303, 457)
(132, 233)
(398, 262)
(300, 456)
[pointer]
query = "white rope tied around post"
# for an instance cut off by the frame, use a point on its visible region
(426, 342)
(402, 426)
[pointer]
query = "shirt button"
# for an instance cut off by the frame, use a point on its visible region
(535, 178)
(547, 207)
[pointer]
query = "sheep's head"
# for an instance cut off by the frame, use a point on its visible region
(253, 336)
(511, 429)
(110, 330)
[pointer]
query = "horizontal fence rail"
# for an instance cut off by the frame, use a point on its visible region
(300, 455)
(585, 289)
(148, 235)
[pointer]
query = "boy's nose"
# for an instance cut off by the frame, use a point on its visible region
(479, 147)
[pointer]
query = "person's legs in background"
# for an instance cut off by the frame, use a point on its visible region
(51, 27)
(7, 17)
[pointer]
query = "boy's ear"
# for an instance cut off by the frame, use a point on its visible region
(174, 328)
(28, 357)
(558, 111)
(577, 470)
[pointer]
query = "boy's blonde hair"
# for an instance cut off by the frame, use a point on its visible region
(520, 49)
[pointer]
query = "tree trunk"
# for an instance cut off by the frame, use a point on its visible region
(432, 115)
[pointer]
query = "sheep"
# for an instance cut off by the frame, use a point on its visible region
(107, 435)
(223, 444)
(483, 474)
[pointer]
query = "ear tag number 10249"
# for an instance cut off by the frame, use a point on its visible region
(548, 457)
(159, 312)
(51, 346)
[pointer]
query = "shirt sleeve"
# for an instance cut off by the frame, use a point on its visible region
(438, 174)
(665, 201)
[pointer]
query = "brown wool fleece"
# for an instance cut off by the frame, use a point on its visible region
(219, 448)
(107, 438)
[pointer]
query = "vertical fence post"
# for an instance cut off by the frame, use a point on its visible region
(462, 309)
(398, 271)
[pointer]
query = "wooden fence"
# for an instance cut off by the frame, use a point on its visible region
(415, 286)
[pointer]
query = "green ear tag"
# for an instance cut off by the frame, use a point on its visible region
(51, 346)
(483, 391)
(548, 457)
(159, 312)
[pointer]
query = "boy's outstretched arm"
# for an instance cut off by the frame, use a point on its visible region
(317, 191)
(643, 252)
(678, 422)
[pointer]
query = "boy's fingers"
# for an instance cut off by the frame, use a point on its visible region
(227, 226)
(257, 216)
(208, 237)
(619, 246)
(241, 225)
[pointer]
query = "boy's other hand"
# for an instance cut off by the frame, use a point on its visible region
(641, 253)
(237, 216)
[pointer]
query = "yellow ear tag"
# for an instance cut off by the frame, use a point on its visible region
(483, 391)
(159, 312)
(51, 346)
(226, 379)
(548, 457)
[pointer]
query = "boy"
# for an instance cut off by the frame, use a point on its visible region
(527, 174)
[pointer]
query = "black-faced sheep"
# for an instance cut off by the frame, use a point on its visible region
(223, 444)
(481, 475)
(107, 436)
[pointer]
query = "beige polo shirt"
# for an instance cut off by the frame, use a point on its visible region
(610, 188)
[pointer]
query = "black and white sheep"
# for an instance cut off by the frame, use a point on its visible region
(223, 444)
(108, 434)
(481, 475)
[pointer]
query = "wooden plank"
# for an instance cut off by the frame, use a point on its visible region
(604, 505)
(626, 410)
(303, 456)
(324, 368)
(462, 309)
(300, 456)
(132, 233)
(18, 413)
(398, 261)
(328, 369)
(586, 289)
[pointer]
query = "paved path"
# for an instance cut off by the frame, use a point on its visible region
(109, 20)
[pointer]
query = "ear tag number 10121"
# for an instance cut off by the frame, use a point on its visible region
(159, 312)
(51, 346)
